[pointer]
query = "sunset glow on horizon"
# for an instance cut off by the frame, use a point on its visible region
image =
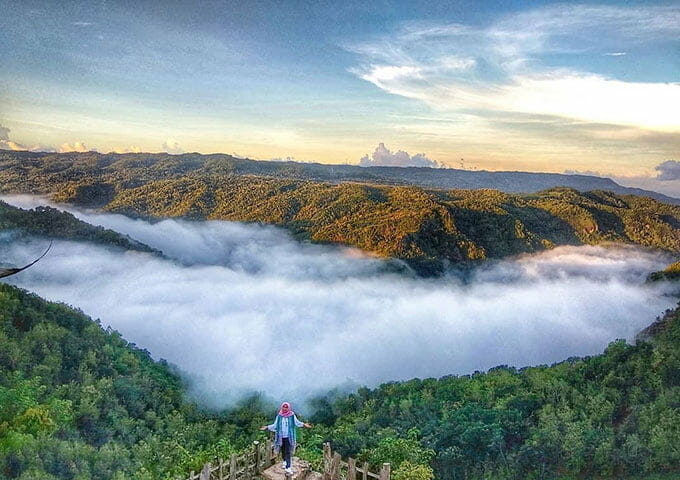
(500, 85)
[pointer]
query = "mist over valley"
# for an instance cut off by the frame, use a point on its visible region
(239, 306)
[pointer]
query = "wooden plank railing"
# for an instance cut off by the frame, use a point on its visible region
(251, 464)
(246, 466)
(335, 468)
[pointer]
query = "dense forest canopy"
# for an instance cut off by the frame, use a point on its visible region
(427, 228)
(148, 166)
(78, 401)
(53, 223)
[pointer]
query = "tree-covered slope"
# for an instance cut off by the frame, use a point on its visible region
(52, 223)
(79, 402)
(672, 272)
(61, 167)
(411, 223)
(425, 227)
(614, 415)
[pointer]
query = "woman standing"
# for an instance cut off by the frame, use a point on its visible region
(284, 428)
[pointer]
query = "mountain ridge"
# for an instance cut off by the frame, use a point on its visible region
(445, 178)
(428, 228)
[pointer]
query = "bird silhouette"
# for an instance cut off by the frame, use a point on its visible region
(6, 272)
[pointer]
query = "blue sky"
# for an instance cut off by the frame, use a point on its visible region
(505, 85)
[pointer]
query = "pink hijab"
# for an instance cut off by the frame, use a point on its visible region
(288, 413)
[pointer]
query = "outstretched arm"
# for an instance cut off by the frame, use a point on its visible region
(300, 424)
(271, 428)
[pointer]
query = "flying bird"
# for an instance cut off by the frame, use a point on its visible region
(6, 272)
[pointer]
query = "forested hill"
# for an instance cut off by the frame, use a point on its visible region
(79, 402)
(427, 228)
(614, 415)
(162, 165)
(48, 222)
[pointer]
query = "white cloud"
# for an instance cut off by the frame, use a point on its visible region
(615, 54)
(501, 68)
(590, 98)
(664, 179)
(73, 147)
(383, 157)
(7, 144)
(10, 145)
(286, 159)
(4, 133)
(241, 307)
(130, 149)
(668, 170)
(171, 145)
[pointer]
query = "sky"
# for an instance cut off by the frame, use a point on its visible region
(494, 85)
(201, 306)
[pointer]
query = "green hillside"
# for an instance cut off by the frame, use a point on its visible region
(66, 167)
(672, 272)
(52, 223)
(79, 402)
(427, 228)
(614, 415)
(411, 223)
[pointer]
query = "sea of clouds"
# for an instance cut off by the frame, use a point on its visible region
(244, 307)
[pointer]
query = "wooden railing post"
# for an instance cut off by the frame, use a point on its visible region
(233, 465)
(385, 472)
(327, 459)
(270, 452)
(256, 446)
(351, 469)
(205, 473)
(220, 469)
(364, 475)
(335, 467)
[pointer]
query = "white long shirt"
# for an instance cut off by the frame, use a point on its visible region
(284, 425)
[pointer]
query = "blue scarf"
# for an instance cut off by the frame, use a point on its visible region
(278, 437)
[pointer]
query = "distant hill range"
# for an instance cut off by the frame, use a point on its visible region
(426, 227)
(446, 178)
(166, 165)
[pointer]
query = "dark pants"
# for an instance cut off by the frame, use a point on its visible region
(285, 451)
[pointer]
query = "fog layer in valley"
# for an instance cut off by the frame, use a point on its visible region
(245, 307)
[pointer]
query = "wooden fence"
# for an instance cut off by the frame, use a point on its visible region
(251, 464)
(335, 468)
(246, 466)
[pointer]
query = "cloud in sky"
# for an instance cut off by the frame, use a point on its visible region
(130, 149)
(73, 147)
(664, 179)
(239, 307)
(383, 157)
(669, 170)
(170, 145)
(512, 66)
(282, 159)
(7, 144)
